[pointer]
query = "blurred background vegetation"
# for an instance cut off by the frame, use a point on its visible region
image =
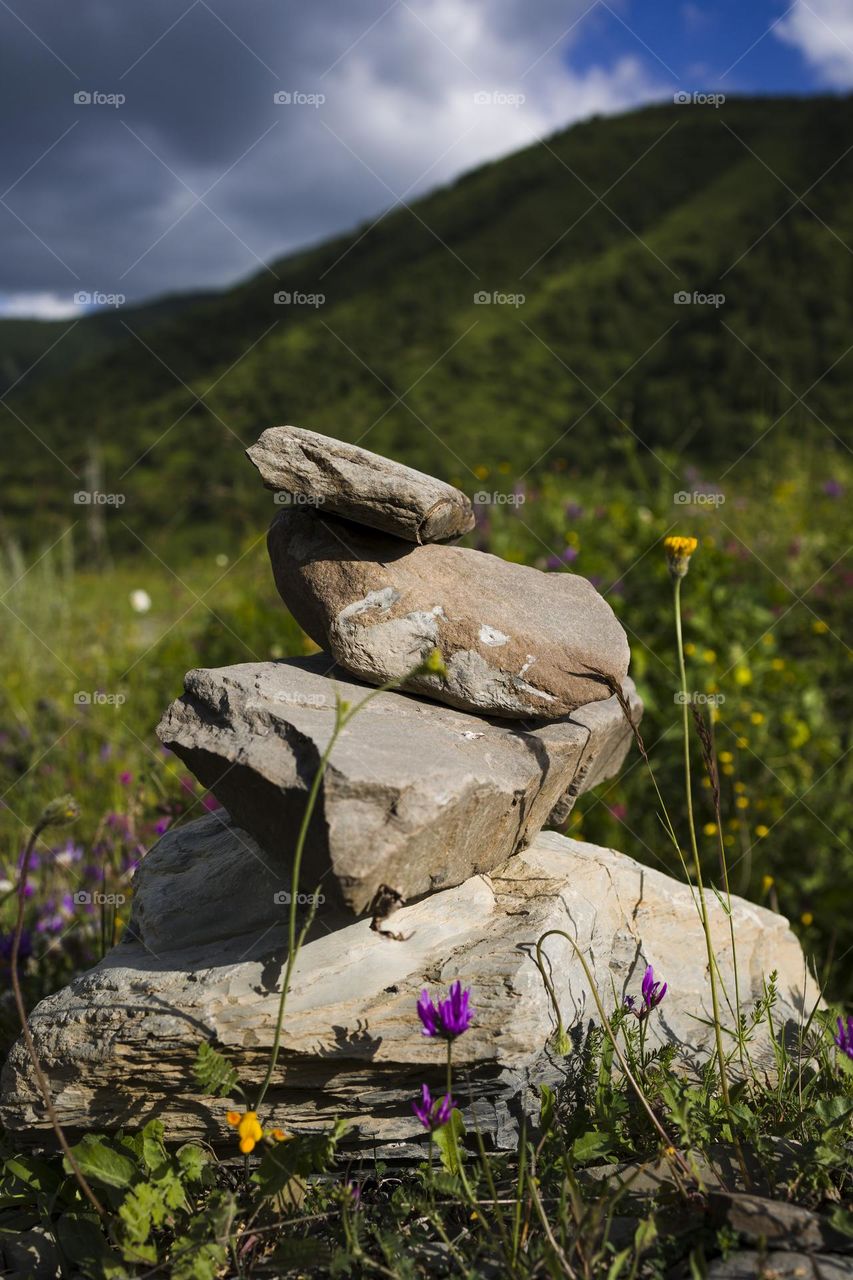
(608, 412)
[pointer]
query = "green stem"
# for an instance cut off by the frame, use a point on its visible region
(694, 848)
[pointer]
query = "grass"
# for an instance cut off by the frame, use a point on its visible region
(762, 613)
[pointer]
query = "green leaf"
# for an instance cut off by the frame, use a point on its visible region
(81, 1239)
(547, 1107)
(592, 1145)
(448, 1139)
(32, 1173)
(213, 1072)
(142, 1208)
(617, 1264)
(297, 1158)
(102, 1163)
(196, 1163)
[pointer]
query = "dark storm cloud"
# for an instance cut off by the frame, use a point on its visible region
(103, 197)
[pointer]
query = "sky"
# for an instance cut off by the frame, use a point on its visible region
(155, 146)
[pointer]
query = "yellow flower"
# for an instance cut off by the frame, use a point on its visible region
(742, 802)
(278, 1135)
(710, 829)
(678, 551)
(690, 648)
(710, 655)
(757, 717)
(807, 918)
(247, 1127)
(778, 664)
(743, 675)
(761, 831)
(481, 472)
(728, 770)
(767, 883)
(726, 757)
(820, 627)
(740, 787)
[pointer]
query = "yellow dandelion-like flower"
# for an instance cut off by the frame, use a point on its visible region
(778, 664)
(690, 648)
(807, 918)
(710, 829)
(742, 802)
(248, 1129)
(743, 675)
(761, 831)
(278, 1135)
(678, 551)
(726, 757)
(820, 627)
(767, 883)
(709, 655)
(728, 770)
(757, 717)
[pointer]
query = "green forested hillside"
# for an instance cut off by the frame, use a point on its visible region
(401, 355)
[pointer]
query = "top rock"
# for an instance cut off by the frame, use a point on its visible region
(360, 485)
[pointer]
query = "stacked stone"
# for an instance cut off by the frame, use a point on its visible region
(428, 825)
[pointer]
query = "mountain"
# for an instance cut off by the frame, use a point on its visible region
(581, 244)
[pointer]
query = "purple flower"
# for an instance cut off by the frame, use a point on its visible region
(844, 1038)
(570, 554)
(433, 1113)
(161, 826)
(450, 1018)
(125, 777)
(652, 994)
(833, 488)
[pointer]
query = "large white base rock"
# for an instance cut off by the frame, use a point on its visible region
(117, 1045)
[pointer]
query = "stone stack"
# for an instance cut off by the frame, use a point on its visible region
(428, 824)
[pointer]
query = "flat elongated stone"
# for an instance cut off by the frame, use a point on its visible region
(117, 1045)
(363, 486)
(516, 642)
(416, 796)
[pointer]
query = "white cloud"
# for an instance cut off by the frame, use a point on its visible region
(37, 306)
(822, 30)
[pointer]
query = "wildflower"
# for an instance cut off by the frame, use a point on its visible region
(678, 551)
(710, 829)
(820, 627)
(844, 1038)
(278, 1135)
(757, 717)
(433, 1113)
(247, 1127)
(651, 995)
(140, 601)
(807, 919)
(433, 665)
(767, 883)
(761, 831)
(450, 1017)
(125, 777)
